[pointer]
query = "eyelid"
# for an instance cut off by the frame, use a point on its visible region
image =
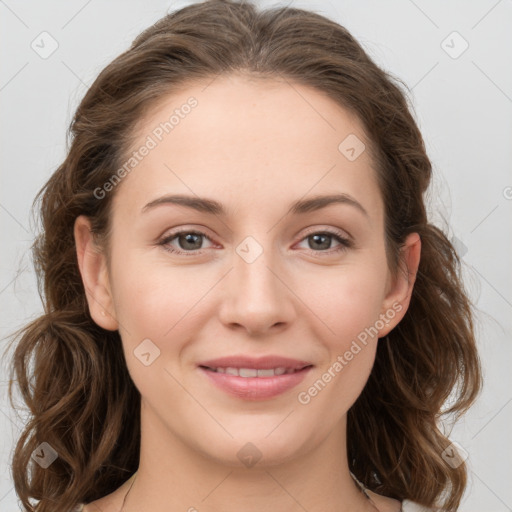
(183, 228)
(331, 230)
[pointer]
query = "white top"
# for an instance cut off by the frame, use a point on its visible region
(407, 505)
(411, 506)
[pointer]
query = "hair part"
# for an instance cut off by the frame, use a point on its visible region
(72, 374)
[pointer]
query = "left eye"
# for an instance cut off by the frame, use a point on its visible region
(322, 240)
(190, 242)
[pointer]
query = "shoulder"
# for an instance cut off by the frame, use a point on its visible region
(382, 503)
(101, 505)
(95, 506)
(386, 504)
(110, 503)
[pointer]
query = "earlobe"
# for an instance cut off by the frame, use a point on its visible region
(399, 295)
(93, 269)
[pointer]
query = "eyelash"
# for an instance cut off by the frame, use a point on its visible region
(345, 243)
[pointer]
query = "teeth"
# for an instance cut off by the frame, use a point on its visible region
(253, 372)
(248, 372)
(266, 373)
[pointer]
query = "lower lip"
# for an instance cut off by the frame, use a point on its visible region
(256, 388)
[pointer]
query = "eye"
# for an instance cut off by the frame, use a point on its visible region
(189, 242)
(320, 242)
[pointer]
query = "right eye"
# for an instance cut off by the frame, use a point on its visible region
(188, 240)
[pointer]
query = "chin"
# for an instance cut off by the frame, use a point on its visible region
(254, 455)
(256, 446)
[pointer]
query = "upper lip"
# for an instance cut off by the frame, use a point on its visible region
(259, 363)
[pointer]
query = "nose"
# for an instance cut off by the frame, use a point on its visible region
(258, 298)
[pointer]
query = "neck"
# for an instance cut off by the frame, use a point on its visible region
(175, 476)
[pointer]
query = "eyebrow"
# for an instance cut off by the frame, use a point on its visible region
(205, 205)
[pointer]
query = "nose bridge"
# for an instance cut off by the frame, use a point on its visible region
(252, 266)
(257, 297)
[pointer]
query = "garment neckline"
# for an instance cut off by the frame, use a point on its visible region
(364, 489)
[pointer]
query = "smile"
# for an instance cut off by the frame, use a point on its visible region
(253, 372)
(255, 379)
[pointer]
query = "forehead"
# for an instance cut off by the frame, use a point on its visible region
(246, 140)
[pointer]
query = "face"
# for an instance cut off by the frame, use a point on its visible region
(248, 276)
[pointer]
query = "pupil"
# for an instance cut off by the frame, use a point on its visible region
(189, 239)
(326, 237)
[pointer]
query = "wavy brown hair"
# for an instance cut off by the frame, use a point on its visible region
(72, 374)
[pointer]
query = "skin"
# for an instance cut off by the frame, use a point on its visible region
(255, 146)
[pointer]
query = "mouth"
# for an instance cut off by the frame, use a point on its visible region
(254, 372)
(255, 379)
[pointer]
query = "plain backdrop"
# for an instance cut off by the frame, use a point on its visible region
(454, 56)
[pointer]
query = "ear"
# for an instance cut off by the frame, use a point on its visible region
(93, 269)
(399, 288)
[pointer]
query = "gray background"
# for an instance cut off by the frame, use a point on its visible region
(462, 102)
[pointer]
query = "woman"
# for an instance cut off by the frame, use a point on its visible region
(245, 304)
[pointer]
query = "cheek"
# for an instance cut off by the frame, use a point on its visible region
(168, 304)
(349, 305)
(160, 304)
(157, 301)
(347, 300)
